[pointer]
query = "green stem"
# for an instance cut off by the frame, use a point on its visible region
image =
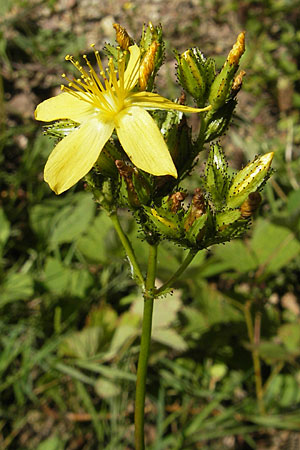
(127, 247)
(144, 349)
(179, 271)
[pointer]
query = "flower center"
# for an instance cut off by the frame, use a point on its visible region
(105, 92)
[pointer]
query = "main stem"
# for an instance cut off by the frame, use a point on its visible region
(144, 349)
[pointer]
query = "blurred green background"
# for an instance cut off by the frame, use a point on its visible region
(70, 313)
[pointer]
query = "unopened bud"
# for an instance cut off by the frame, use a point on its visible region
(237, 50)
(221, 87)
(237, 83)
(248, 180)
(216, 175)
(147, 65)
(122, 37)
(195, 74)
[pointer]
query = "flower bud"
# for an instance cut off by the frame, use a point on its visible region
(122, 37)
(248, 180)
(147, 65)
(216, 176)
(219, 120)
(221, 86)
(195, 74)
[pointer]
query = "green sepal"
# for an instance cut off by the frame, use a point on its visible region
(105, 164)
(219, 120)
(232, 231)
(114, 52)
(227, 217)
(249, 179)
(166, 223)
(216, 176)
(194, 234)
(105, 190)
(181, 148)
(60, 129)
(142, 186)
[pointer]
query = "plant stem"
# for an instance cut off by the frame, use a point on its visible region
(179, 271)
(127, 247)
(255, 357)
(144, 349)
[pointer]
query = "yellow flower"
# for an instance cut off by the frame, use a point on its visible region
(101, 104)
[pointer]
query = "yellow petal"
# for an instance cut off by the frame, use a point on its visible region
(75, 155)
(64, 106)
(131, 74)
(152, 100)
(143, 142)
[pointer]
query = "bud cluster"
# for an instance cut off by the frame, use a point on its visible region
(221, 206)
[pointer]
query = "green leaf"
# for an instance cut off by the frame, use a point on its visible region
(51, 443)
(93, 244)
(60, 279)
(273, 245)
(73, 220)
(237, 256)
(17, 286)
(106, 389)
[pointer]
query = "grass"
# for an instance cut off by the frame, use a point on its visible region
(69, 311)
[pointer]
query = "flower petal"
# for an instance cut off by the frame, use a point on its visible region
(152, 100)
(75, 155)
(143, 142)
(64, 106)
(131, 74)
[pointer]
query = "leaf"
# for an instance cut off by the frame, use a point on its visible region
(82, 344)
(63, 221)
(237, 255)
(93, 244)
(17, 286)
(106, 389)
(60, 279)
(51, 443)
(170, 338)
(73, 220)
(274, 246)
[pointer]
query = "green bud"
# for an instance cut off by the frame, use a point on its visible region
(105, 191)
(221, 87)
(216, 176)
(219, 120)
(249, 180)
(195, 74)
